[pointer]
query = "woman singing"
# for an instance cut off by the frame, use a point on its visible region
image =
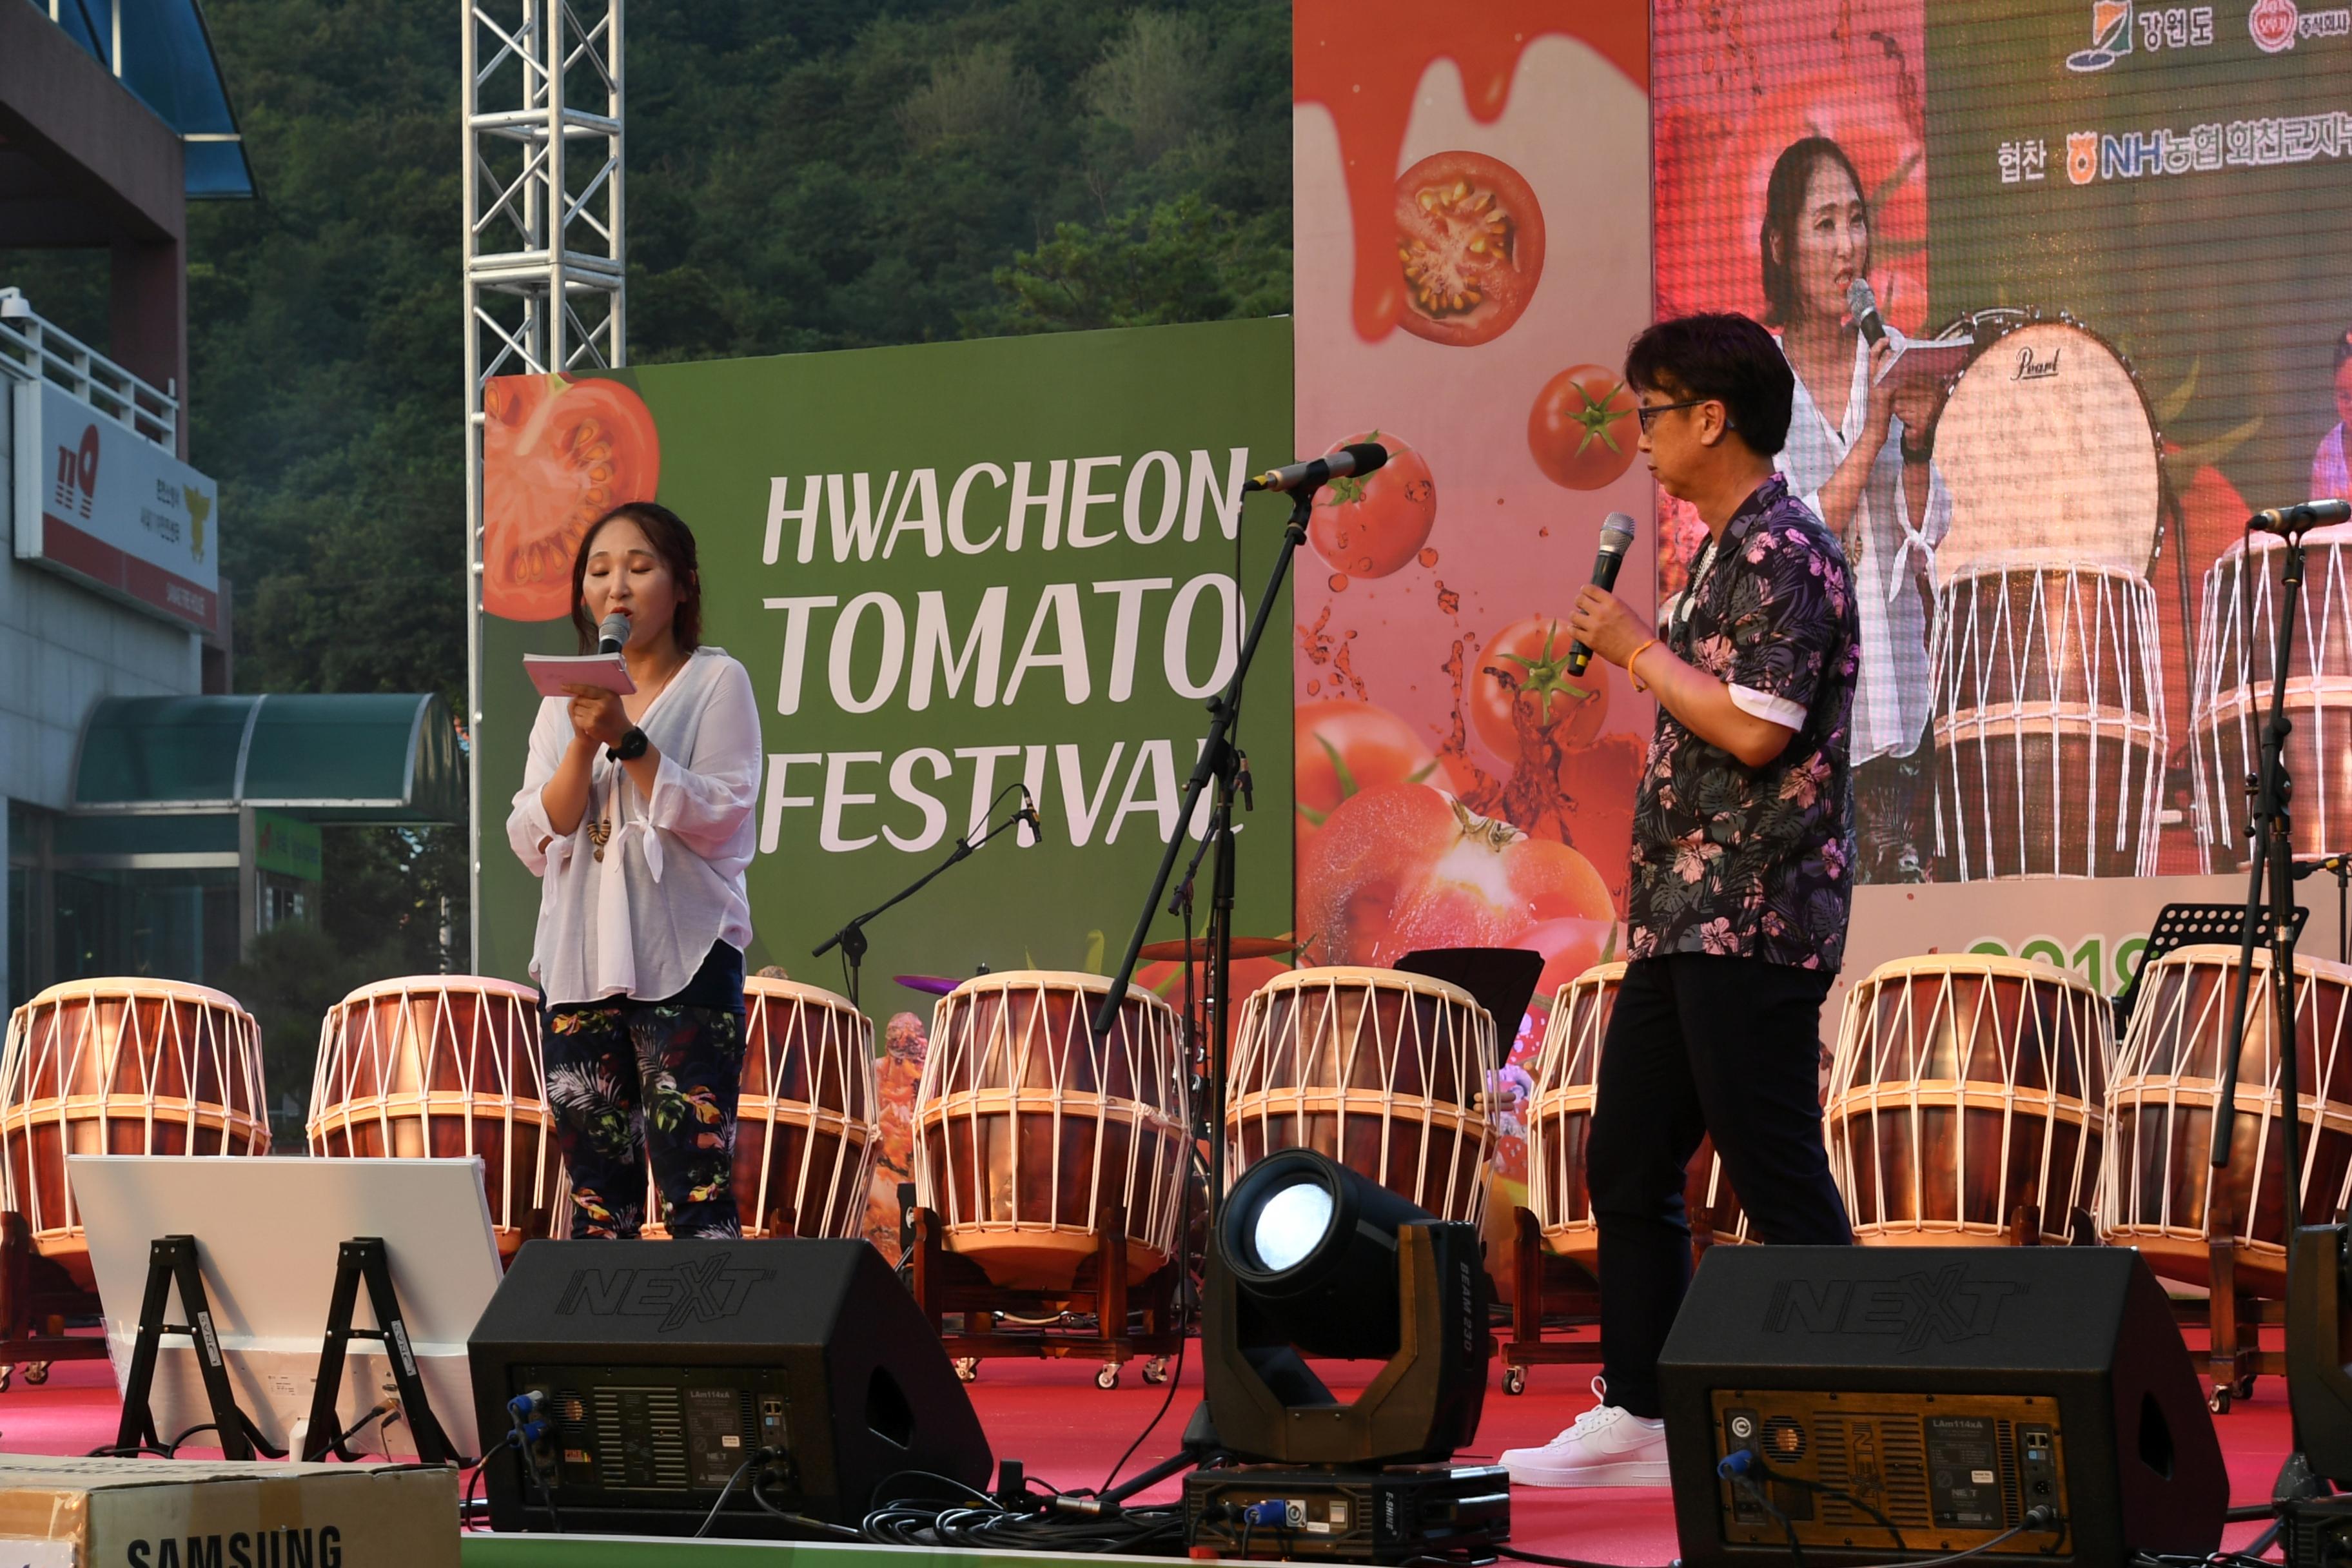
(1858, 456)
(635, 814)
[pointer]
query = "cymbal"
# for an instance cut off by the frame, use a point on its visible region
(1180, 951)
(929, 984)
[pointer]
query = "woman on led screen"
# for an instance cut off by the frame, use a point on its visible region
(1858, 454)
(2331, 474)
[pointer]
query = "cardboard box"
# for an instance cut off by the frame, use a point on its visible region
(196, 1513)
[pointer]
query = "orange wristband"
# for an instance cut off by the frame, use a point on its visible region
(1632, 657)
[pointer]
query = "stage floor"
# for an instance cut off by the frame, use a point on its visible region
(1052, 1417)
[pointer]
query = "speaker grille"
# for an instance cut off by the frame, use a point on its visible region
(1879, 1459)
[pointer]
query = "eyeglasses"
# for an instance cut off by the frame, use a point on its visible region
(1648, 414)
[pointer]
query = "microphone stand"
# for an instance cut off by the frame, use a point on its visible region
(2340, 868)
(1222, 766)
(2270, 886)
(851, 938)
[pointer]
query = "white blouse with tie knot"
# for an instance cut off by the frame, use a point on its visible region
(635, 915)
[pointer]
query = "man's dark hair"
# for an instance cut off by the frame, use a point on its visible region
(1723, 356)
(674, 542)
(2343, 347)
(1784, 204)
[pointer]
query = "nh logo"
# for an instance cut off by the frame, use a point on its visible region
(1945, 1306)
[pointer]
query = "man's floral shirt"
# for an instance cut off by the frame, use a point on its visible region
(1741, 861)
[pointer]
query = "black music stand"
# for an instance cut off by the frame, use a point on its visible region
(1502, 978)
(2190, 925)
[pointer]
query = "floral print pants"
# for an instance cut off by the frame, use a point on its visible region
(640, 1078)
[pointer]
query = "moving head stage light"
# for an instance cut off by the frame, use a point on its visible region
(1310, 1258)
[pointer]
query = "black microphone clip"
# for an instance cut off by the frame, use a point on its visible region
(2295, 518)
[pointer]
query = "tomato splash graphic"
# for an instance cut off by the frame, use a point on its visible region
(1527, 688)
(1371, 93)
(1370, 525)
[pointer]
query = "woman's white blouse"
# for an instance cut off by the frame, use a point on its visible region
(640, 922)
(1896, 691)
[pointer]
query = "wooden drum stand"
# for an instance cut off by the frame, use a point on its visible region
(948, 1286)
(1052, 1181)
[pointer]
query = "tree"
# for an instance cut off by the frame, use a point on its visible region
(824, 175)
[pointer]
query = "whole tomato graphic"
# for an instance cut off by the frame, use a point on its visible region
(556, 456)
(1582, 431)
(1470, 239)
(1343, 748)
(1524, 666)
(1369, 527)
(1400, 867)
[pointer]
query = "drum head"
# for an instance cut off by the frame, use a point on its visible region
(2048, 448)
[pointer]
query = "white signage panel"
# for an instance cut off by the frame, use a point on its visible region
(96, 500)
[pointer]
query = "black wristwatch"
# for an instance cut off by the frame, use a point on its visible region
(633, 746)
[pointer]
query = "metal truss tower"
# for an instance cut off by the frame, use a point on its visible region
(546, 263)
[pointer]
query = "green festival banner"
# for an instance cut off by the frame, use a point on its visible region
(949, 568)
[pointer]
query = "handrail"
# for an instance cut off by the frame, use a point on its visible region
(35, 349)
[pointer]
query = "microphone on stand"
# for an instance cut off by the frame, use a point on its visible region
(1358, 458)
(1029, 816)
(613, 635)
(1616, 535)
(2295, 519)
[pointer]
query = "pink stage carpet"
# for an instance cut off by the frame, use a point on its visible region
(1050, 1415)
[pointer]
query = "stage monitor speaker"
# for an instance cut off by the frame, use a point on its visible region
(1884, 1403)
(2319, 1349)
(662, 1367)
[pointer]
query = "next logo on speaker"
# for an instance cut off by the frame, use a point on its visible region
(698, 1290)
(1945, 1306)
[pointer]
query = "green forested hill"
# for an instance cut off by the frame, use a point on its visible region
(802, 175)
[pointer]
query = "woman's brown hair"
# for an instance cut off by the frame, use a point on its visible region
(674, 542)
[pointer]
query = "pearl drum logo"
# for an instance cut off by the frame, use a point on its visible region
(77, 489)
(2111, 36)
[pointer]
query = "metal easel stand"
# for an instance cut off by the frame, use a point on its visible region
(2270, 892)
(365, 1259)
(172, 1261)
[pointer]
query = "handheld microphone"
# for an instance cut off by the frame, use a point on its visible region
(1862, 305)
(1616, 535)
(1360, 458)
(2295, 518)
(613, 634)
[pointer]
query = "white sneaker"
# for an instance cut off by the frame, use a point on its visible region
(1607, 1448)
